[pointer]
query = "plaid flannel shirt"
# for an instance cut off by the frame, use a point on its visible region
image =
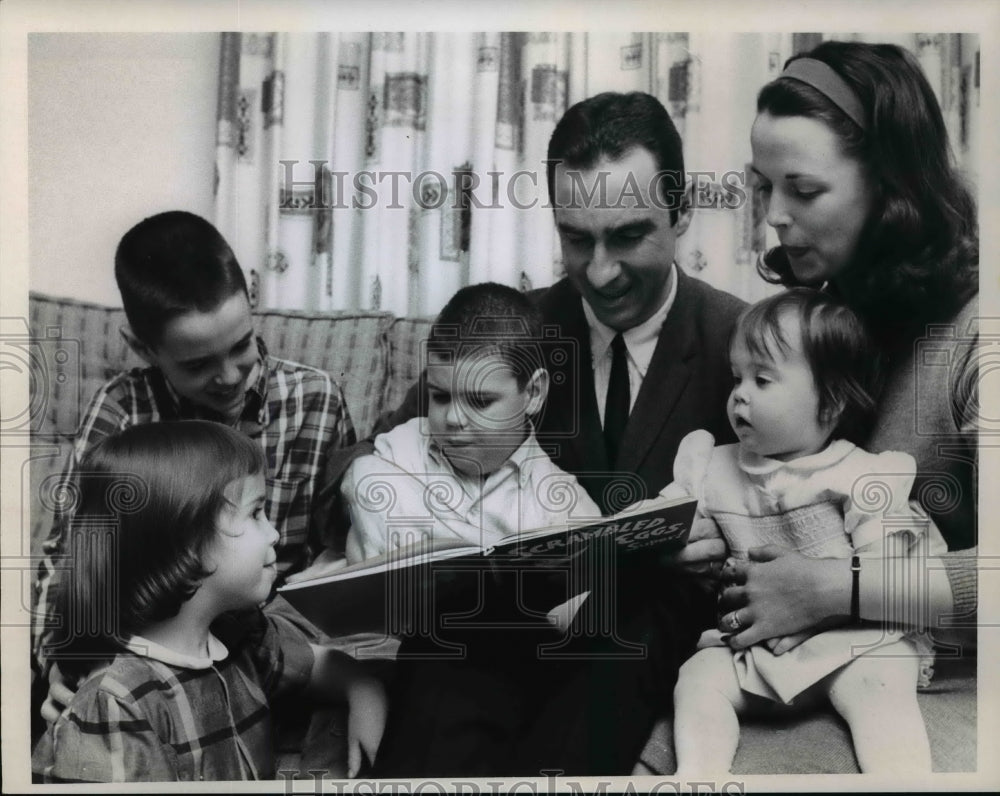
(152, 715)
(297, 413)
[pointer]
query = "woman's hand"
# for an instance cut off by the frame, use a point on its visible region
(779, 592)
(368, 708)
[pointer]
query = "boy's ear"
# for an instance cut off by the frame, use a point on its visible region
(538, 390)
(140, 348)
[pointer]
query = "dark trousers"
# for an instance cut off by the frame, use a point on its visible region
(481, 699)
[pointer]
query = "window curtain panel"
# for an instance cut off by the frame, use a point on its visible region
(383, 171)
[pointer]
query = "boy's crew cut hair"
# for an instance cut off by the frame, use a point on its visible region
(171, 264)
(494, 319)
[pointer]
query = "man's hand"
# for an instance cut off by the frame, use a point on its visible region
(59, 695)
(705, 551)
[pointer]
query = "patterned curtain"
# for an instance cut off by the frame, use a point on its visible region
(386, 170)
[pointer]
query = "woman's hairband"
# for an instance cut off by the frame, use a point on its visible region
(828, 83)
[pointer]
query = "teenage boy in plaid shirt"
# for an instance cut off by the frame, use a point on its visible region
(188, 310)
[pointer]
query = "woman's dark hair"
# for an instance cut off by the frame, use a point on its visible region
(147, 504)
(918, 257)
(836, 345)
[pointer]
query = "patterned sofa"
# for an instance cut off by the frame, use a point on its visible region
(375, 357)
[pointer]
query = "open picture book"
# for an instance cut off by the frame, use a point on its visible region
(379, 594)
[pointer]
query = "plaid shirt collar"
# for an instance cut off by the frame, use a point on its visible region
(254, 402)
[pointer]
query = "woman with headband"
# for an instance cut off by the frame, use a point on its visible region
(852, 165)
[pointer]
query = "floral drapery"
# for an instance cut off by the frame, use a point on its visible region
(386, 170)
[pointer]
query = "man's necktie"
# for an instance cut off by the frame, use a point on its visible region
(616, 407)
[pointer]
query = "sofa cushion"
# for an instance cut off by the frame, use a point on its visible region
(405, 340)
(76, 347)
(350, 346)
(92, 350)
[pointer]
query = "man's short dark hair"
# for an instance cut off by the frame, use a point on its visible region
(490, 318)
(170, 264)
(611, 124)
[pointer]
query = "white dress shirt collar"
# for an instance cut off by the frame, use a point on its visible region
(640, 342)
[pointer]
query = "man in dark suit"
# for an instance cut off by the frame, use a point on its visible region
(616, 181)
(615, 177)
(650, 365)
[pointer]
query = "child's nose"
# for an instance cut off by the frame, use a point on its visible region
(456, 415)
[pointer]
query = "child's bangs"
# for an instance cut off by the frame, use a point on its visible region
(238, 458)
(759, 329)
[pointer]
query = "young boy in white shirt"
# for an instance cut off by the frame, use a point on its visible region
(486, 671)
(471, 469)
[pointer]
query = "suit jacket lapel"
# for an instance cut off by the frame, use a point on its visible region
(665, 381)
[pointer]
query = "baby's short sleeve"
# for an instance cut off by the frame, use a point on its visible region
(878, 499)
(691, 465)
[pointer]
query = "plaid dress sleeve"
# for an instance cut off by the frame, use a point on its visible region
(103, 737)
(109, 412)
(278, 649)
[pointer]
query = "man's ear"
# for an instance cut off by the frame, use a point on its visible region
(140, 348)
(538, 390)
(685, 212)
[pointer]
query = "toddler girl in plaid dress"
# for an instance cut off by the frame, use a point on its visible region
(171, 557)
(803, 381)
